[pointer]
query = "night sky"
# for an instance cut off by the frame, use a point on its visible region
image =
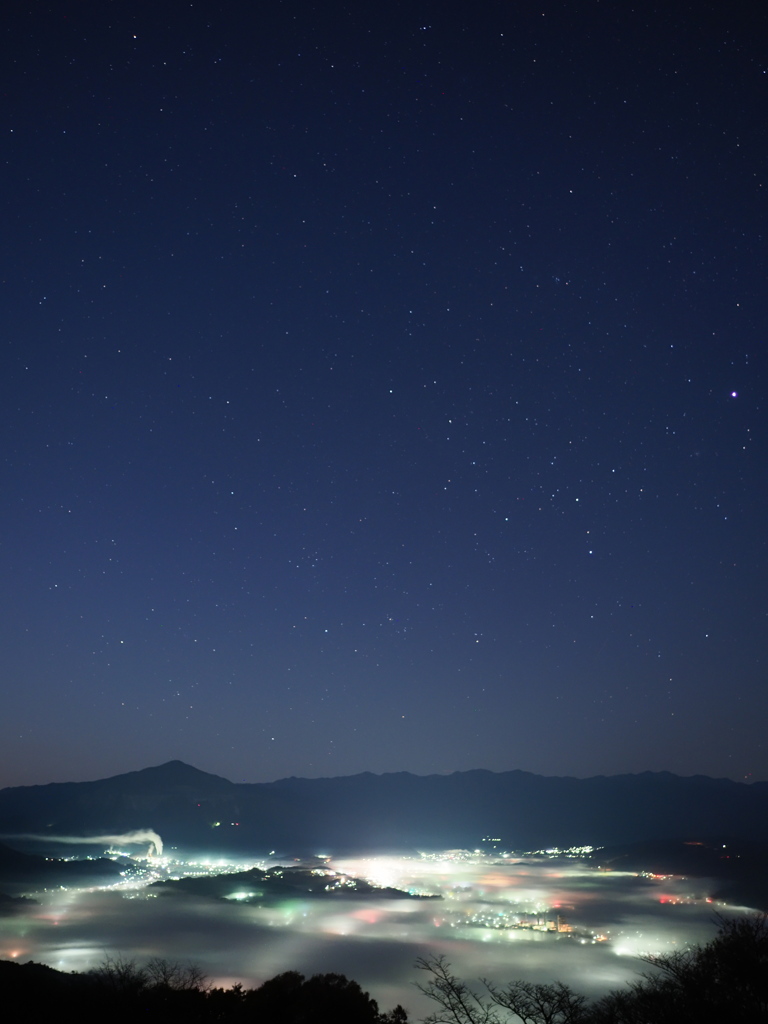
(383, 388)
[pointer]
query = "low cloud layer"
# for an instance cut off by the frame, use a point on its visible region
(377, 941)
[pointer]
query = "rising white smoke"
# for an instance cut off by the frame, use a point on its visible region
(142, 835)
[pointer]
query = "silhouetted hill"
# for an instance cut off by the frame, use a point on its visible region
(736, 868)
(195, 810)
(174, 793)
(278, 883)
(10, 905)
(19, 871)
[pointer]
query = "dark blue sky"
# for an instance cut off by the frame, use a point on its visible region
(383, 390)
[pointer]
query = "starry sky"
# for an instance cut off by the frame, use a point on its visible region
(383, 388)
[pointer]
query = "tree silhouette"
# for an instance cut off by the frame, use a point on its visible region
(723, 981)
(528, 1002)
(459, 1004)
(122, 992)
(726, 980)
(323, 999)
(541, 1004)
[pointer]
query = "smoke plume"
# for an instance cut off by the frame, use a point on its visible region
(142, 835)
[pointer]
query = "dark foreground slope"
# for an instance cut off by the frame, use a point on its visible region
(122, 992)
(726, 980)
(192, 809)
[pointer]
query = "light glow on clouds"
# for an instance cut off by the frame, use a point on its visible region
(375, 941)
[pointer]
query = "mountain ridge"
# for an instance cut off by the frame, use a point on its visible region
(175, 764)
(194, 809)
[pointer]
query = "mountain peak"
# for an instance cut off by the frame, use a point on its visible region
(174, 773)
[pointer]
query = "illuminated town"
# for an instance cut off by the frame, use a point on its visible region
(266, 912)
(473, 892)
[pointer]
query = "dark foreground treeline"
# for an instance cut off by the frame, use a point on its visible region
(121, 991)
(724, 982)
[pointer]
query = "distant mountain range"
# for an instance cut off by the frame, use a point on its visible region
(193, 810)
